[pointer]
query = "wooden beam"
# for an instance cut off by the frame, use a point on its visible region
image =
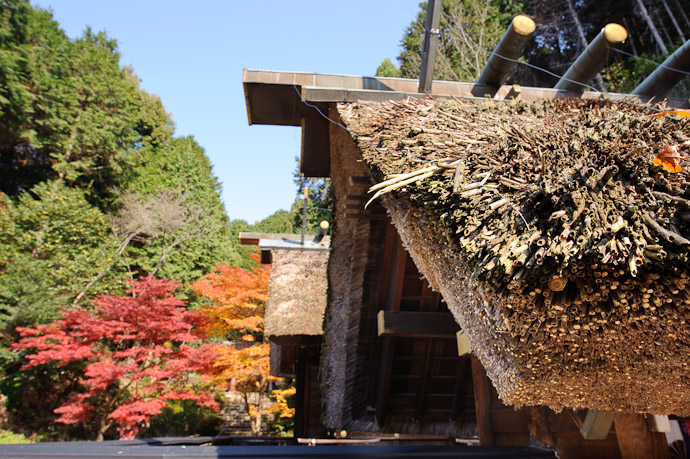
(315, 160)
(423, 379)
(658, 423)
(597, 425)
(463, 343)
(471, 90)
(356, 180)
(636, 441)
(482, 403)
(592, 59)
(539, 425)
(664, 78)
(417, 324)
(459, 386)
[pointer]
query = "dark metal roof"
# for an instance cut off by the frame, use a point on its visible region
(146, 449)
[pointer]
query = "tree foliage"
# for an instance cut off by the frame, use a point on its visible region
(470, 29)
(319, 201)
(467, 29)
(81, 145)
(238, 301)
(68, 109)
(52, 243)
(138, 353)
(178, 180)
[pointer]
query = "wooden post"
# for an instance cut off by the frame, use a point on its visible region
(482, 403)
(304, 212)
(597, 425)
(658, 423)
(636, 441)
(416, 324)
(463, 343)
(431, 26)
(323, 230)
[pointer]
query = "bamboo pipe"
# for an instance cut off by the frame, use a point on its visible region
(592, 59)
(511, 45)
(661, 80)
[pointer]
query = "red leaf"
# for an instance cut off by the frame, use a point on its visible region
(134, 349)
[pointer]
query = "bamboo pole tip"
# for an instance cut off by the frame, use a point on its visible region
(523, 25)
(615, 33)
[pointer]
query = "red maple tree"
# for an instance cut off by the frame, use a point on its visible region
(137, 352)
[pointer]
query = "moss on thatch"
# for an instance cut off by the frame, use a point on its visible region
(557, 243)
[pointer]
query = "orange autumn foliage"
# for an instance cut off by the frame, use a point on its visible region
(238, 298)
(238, 302)
(669, 158)
(684, 112)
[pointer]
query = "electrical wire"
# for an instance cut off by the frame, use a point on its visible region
(493, 53)
(354, 133)
(536, 67)
(651, 61)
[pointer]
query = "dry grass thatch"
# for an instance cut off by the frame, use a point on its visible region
(297, 293)
(560, 247)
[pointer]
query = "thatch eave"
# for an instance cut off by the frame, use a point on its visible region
(565, 350)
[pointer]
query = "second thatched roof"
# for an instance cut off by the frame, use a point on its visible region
(296, 294)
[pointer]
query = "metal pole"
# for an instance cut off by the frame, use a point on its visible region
(431, 32)
(304, 212)
(592, 59)
(511, 45)
(664, 78)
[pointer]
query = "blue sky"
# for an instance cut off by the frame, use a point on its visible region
(191, 54)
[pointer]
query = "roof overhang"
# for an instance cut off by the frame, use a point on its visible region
(302, 99)
(273, 241)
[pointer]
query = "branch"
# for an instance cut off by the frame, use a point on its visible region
(106, 268)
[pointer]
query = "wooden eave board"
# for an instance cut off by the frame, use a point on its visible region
(284, 99)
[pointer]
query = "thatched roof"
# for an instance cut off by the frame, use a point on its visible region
(558, 245)
(296, 294)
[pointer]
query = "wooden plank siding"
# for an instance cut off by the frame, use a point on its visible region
(419, 374)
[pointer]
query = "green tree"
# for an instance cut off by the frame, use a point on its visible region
(467, 30)
(319, 202)
(67, 108)
(387, 69)
(470, 30)
(183, 199)
(53, 242)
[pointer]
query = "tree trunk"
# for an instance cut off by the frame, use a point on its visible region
(102, 428)
(682, 13)
(256, 424)
(673, 20)
(652, 27)
(662, 26)
(632, 42)
(598, 81)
